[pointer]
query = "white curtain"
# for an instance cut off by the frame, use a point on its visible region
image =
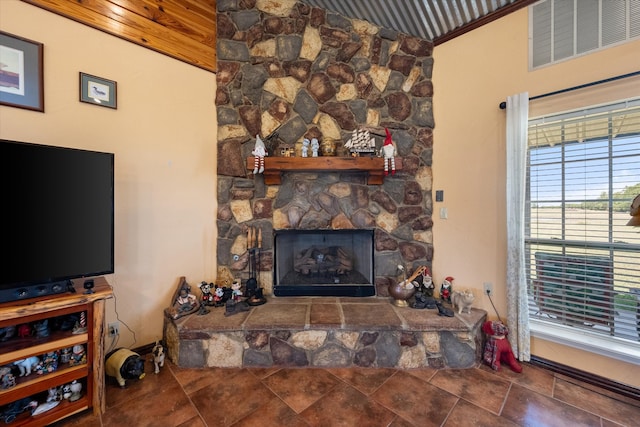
(517, 307)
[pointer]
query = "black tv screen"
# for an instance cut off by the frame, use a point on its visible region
(58, 217)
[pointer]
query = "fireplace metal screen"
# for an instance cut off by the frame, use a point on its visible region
(323, 263)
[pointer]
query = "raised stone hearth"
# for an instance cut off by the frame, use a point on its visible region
(326, 332)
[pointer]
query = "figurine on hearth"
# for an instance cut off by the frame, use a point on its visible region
(259, 152)
(305, 147)
(218, 296)
(497, 348)
(446, 289)
(207, 296)
(184, 302)
(389, 154)
(236, 291)
(425, 283)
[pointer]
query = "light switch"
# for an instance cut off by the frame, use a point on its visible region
(444, 214)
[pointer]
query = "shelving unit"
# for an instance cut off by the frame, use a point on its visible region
(90, 374)
(372, 166)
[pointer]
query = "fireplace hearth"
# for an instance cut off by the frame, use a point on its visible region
(323, 263)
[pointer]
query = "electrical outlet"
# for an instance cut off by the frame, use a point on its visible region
(488, 288)
(114, 329)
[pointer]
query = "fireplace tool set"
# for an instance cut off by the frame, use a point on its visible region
(253, 291)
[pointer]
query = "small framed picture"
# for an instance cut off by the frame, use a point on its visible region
(21, 78)
(98, 91)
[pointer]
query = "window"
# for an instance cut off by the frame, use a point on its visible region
(561, 29)
(583, 172)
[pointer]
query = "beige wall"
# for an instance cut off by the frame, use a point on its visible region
(472, 75)
(163, 135)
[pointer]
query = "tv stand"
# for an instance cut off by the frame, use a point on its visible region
(90, 373)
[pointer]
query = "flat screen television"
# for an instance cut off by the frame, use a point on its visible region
(57, 220)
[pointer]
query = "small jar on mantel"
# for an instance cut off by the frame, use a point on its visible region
(328, 147)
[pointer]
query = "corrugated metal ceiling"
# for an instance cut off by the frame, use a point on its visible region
(436, 20)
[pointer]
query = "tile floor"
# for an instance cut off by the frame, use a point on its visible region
(358, 397)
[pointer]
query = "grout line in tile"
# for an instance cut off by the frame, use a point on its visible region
(195, 407)
(451, 410)
(506, 396)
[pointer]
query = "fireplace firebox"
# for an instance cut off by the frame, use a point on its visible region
(323, 263)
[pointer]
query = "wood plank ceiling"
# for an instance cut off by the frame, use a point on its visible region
(182, 29)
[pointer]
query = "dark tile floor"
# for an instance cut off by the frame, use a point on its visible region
(358, 397)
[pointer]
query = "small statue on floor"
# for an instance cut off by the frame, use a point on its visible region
(184, 302)
(158, 356)
(497, 349)
(124, 364)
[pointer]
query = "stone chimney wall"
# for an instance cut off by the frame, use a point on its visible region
(305, 72)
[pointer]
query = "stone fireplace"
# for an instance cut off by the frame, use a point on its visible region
(295, 71)
(323, 263)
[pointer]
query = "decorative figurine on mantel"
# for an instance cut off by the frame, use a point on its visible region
(259, 152)
(361, 142)
(389, 152)
(315, 146)
(305, 147)
(446, 289)
(184, 302)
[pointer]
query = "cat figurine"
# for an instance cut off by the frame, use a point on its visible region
(462, 300)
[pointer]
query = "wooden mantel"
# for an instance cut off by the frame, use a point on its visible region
(274, 166)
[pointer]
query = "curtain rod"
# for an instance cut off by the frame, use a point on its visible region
(503, 104)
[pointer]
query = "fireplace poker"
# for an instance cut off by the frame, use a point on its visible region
(252, 283)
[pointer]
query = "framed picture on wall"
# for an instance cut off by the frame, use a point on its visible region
(98, 91)
(21, 77)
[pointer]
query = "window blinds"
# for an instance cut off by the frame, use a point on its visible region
(583, 261)
(562, 29)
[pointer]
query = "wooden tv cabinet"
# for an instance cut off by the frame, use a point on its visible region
(89, 374)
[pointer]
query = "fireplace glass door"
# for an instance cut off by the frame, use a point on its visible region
(323, 263)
